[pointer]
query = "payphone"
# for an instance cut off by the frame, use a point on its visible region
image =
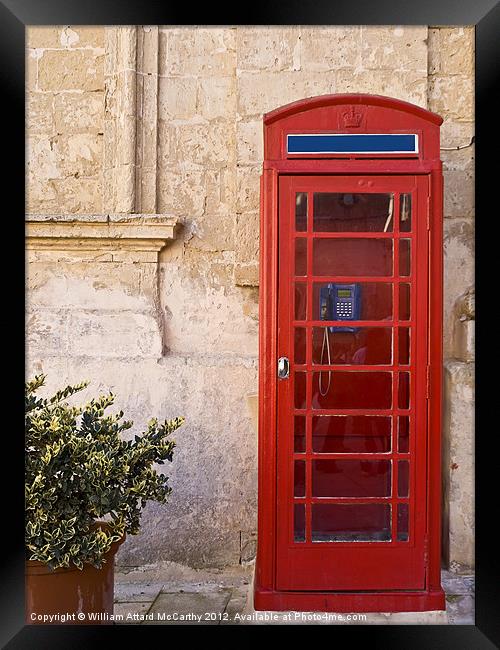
(350, 361)
(340, 302)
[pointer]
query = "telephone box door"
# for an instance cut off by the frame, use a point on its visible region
(351, 401)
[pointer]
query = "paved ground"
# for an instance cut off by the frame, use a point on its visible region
(170, 594)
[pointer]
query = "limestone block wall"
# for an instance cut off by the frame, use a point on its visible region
(451, 94)
(135, 127)
(65, 119)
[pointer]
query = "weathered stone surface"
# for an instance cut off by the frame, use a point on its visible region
(80, 154)
(410, 86)
(464, 333)
(147, 49)
(458, 463)
(70, 70)
(177, 98)
(65, 119)
(78, 113)
(250, 142)
(246, 274)
(205, 144)
(458, 193)
(400, 47)
(216, 97)
(76, 195)
(200, 51)
(121, 49)
(182, 191)
(452, 96)
(458, 134)
(124, 334)
(274, 89)
(326, 49)
(64, 36)
(248, 189)
(458, 271)
(247, 245)
(451, 51)
(220, 200)
(120, 120)
(39, 113)
(43, 37)
(32, 57)
(248, 546)
(43, 158)
(268, 49)
(46, 333)
(213, 308)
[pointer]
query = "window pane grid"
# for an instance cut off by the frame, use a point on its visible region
(399, 516)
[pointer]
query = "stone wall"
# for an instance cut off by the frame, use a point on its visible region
(65, 119)
(132, 127)
(451, 94)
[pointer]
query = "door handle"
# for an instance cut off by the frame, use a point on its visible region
(283, 368)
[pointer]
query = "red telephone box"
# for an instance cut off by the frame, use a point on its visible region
(350, 357)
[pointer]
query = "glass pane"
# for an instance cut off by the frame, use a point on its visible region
(299, 522)
(375, 300)
(402, 522)
(347, 522)
(404, 390)
(337, 434)
(404, 301)
(353, 390)
(301, 211)
(334, 212)
(300, 390)
(300, 345)
(351, 478)
(300, 300)
(403, 477)
(299, 437)
(352, 257)
(299, 478)
(404, 257)
(405, 212)
(300, 256)
(365, 346)
(404, 345)
(403, 434)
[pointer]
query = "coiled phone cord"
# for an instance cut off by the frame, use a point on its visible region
(327, 341)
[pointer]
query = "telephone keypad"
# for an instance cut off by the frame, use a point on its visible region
(344, 310)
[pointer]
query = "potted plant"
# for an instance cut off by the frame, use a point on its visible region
(85, 489)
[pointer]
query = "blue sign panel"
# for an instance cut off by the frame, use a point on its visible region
(352, 143)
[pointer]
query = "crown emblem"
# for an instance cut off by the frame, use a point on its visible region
(351, 118)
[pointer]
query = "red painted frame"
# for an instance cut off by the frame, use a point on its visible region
(380, 564)
(327, 114)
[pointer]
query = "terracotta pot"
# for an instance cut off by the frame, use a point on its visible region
(70, 596)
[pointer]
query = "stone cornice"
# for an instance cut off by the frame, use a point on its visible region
(98, 232)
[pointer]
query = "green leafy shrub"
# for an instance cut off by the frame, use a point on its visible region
(79, 471)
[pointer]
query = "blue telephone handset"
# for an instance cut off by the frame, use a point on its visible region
(340, 302)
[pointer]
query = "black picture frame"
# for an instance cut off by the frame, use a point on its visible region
(485, 15)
